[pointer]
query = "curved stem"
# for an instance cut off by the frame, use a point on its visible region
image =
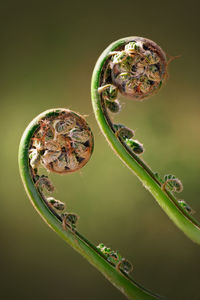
(117, 277)
(185, 222)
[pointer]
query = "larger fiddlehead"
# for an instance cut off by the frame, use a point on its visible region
(136, 67)
(60, 141)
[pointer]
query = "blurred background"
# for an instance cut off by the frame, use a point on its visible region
(49, 49)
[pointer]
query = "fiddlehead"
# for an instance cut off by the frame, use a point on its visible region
(136, 68)
(61, 141)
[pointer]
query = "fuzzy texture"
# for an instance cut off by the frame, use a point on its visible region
(137, 69)
(62, 143)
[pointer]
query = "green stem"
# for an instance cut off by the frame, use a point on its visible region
(185, 222)
(118, 278)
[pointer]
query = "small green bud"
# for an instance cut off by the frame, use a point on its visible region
(135, 146)
(101, 246)
(186, 206)
(109, 92)
(126, 266)
(125, 133)
(114, 257)
(114, 106)
(57, 204)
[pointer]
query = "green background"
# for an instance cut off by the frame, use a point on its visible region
(49, 49)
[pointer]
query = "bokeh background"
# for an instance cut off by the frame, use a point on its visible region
(49, 49)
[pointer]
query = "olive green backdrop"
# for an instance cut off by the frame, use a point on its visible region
(49, 49)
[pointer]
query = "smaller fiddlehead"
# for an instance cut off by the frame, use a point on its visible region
(61, 141)
(172, 183)
(116, 259)
(61, 145)
(136, 67)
